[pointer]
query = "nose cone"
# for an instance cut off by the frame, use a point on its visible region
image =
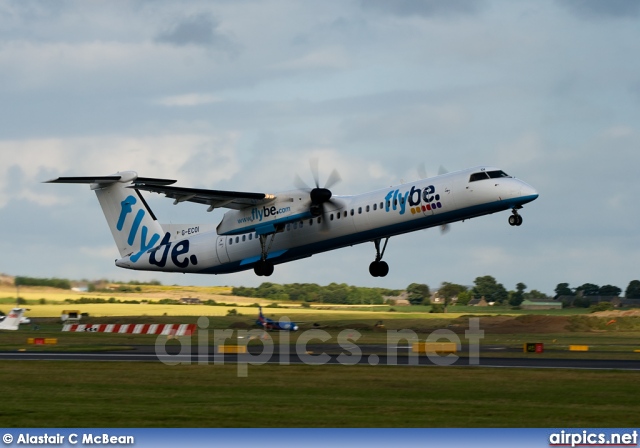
(527, 193)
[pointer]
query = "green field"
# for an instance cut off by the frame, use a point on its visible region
(96, 394)
(115, 394)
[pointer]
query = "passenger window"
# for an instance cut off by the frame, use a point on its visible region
(250, 236)
(237, 239)
(375, 207)
(345, 213)
(331, 216)
(295, 225)
(244, 238)
(368, 209)
(338, 215)
(230, 241)
(381, 205)
(352, 212)
(359, 210)
(288, 227)
(301, 222)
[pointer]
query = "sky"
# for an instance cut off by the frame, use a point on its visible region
(241, 94)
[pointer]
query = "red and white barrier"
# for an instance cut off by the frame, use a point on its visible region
(158, 329)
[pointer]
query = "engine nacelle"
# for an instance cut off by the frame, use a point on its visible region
(264, 219)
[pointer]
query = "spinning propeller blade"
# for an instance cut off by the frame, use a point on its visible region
(319, 195)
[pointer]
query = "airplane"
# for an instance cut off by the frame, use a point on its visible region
(262, 230)
(269, 324)
(14, 319)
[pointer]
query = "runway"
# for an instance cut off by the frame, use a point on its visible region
(318, 355)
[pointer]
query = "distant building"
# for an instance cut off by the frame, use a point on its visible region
(190, 301)
(70, 316)
(594, 300)
(535, 305)
(401, 300)
(630, 303)
(478, 302)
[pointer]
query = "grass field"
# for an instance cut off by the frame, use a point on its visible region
(116, 394)
(113, 394)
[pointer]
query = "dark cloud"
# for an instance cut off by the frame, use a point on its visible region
(201, 30)
(426, 8)
(594, 9)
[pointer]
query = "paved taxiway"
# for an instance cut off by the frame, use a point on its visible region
(318, 355)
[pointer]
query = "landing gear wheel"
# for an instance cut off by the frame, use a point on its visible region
(379, 269)
(383, 269)
(263, 268)
(515, 220)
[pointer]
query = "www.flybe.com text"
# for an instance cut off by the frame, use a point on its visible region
(260, 214)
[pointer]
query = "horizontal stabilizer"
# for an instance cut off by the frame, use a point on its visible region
(85, 180)
(107, 180)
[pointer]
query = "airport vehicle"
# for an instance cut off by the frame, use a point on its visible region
(262, 230)
(13, 320)
(270, 324)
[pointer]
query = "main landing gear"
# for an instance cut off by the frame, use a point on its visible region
(379, 268)
(515, 219)
(264, 268)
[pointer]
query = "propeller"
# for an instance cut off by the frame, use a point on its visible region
(319, 195)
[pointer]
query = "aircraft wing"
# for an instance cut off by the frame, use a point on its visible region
(213, 198)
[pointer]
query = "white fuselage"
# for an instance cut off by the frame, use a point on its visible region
(348, 220)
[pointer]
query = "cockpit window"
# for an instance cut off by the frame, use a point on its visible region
(487, 175)
(497, 174)
(478, 176)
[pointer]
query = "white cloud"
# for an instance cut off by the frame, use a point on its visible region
(619, 131)
(191, 155)
(189, 99)
(322, 58)
(522, 151)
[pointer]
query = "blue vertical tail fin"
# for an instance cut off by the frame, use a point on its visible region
(133, 225)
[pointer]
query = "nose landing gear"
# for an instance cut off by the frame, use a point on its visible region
(515, 219)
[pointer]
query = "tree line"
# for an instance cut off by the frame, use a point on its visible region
(486, 287)
(334, 293)
(59, 283)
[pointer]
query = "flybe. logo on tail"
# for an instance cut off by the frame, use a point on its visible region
(418, 200)
(180, 248)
